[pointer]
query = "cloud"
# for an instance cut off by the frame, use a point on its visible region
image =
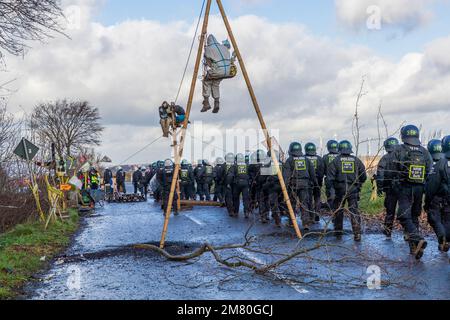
(406, 15)
(306, 85)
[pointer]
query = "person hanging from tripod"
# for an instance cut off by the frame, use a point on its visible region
(219, 65)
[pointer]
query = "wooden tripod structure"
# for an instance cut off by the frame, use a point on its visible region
(180, 148)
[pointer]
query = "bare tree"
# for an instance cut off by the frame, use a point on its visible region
(356, 125)
(8, 134)
(380, 118)
(71, 126)
(22, 21)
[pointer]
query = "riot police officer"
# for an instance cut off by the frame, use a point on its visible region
(186, 180)
(319, 167)
(253, 171)
(165, 178)
(241, 185)
(218, 174)
(206, 178)
(301, 178)
(258, 197)
(193, 183)
(158, 194)
(228, 183)
(262, 194)
(435, 149)
(347, 174)
(413, 163)
(385, 184)
(437, 195)
(333, 152)
(197, 174)
(272, 186)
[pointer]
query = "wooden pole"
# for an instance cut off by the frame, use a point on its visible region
(175, 152)
(186, 122)
(260, 117)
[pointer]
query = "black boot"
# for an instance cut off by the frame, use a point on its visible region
(206, 105)
(216, 106)
(420, 249)
(387, 231)
(443, 245)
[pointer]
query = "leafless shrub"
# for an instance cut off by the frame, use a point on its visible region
(27, 20)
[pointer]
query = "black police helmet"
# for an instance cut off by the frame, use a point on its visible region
(333, 146)
(390, 144)
(295, 149)
(310, 149)
(345, 147)
(446, 146)
(411, 135)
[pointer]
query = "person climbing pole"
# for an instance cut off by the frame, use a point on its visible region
(219, 65)
(166, 113)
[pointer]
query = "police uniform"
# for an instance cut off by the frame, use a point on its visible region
(329, 189)
(253, 172)
(241, 185)
(412, 165)
(197, 173)
(158, 195)
(228, 186)
(205, 179)
(300, 175)
(165, 177)
(437, 201)
(386, 183)
(186, 180)
(272, 187)
(218, 173)
(347, 174)
(316, 194)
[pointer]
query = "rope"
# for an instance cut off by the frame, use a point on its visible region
(190, 51)
(143, 149)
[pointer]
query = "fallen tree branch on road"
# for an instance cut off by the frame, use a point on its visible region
(231, 262)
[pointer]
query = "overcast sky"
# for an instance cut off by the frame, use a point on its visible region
(306, 60)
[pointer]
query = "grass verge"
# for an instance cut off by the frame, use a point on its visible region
(366, 205)
(22, 251)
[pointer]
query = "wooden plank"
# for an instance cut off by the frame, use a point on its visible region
(191, 203)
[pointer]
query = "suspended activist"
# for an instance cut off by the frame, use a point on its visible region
(219, 65)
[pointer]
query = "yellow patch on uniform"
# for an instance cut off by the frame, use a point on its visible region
(242, 169)
(348, 167)
(300, 165)
(417, 173)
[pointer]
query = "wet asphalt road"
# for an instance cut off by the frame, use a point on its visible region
(101, 265)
